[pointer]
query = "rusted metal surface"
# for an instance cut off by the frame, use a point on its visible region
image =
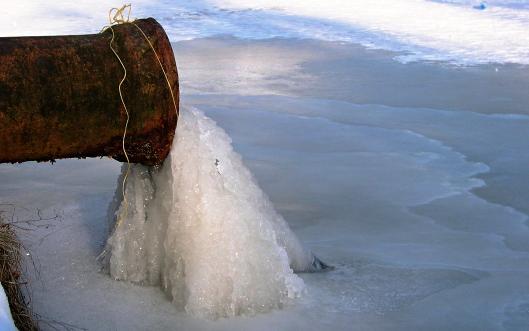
(59, 96)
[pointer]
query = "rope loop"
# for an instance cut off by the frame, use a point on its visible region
(119, 15)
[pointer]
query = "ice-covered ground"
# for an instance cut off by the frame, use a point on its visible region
(409, 178)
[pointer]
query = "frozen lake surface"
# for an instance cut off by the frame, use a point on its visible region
(409, 178)
(421, 210)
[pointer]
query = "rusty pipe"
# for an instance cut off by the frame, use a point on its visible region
(59, 96)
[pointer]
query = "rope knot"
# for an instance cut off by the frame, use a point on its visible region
(119, 15)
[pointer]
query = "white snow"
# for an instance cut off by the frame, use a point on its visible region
(450, 31)
(6, 320)
(428, 30)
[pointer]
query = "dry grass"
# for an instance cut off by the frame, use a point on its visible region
(11, 277)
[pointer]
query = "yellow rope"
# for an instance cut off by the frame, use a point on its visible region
(124, 130)
(119, 18)
(161, 67)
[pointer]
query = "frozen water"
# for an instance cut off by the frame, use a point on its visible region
(386, 194)
(201, 228)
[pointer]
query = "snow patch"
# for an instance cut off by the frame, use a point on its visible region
(6, 320)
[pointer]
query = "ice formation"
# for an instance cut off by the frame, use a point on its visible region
(201, 228)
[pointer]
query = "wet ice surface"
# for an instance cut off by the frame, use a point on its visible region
(421, 210)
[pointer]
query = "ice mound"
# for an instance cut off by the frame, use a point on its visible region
(201, 228)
